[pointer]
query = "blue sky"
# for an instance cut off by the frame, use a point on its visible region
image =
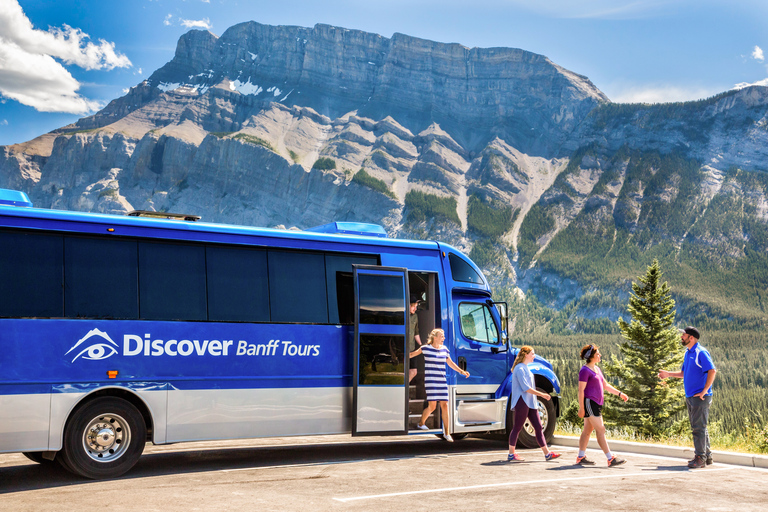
(61, 60)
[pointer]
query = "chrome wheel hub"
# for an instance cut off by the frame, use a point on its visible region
(106, 437)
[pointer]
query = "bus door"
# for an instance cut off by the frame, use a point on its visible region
(482, 350)
(380, 389)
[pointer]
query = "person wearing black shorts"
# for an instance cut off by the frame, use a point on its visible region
(592, 384)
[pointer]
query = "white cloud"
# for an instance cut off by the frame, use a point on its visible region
(658, 94)
(4, 122)
(762, 83)
(203, 23)
(168, 20)
(757, 54)
(30, 68)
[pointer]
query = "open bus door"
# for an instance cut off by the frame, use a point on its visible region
(380, 389)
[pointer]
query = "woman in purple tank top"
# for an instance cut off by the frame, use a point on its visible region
(591, 387)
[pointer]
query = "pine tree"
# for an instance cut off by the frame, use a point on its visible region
(651, 344)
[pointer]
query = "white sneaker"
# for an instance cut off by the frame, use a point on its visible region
(422, 427)
(448, 438)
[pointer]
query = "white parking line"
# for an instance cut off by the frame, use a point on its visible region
(618, 474)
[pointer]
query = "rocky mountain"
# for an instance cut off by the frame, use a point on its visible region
(523, 164)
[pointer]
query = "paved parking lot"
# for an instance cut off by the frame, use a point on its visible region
(381, 474)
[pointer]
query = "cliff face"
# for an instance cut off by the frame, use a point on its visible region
(545, 177)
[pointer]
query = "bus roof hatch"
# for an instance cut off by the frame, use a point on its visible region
(14, 198)
(351, 228)
(163, 215)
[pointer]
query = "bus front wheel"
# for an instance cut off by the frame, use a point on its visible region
(104, 438)
(527, 437)
(548, 419)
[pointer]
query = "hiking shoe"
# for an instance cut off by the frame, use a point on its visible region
(709, 460)
(584, 461)
(615, 461)
(514, 457)
(551, 456)
(448, 438)
(422, 427)
(698, 462)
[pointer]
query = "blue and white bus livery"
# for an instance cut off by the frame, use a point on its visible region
(117, 330)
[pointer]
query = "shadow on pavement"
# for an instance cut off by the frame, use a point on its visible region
(33, 476)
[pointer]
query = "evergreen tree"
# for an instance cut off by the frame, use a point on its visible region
(651, 343)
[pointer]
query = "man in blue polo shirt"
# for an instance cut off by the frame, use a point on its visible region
(698, 374)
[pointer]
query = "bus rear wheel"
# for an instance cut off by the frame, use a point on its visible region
(104, 438)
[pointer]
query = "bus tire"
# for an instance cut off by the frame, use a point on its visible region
(104, 438)
(527, 438)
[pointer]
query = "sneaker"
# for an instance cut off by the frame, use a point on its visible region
(514, 457)
(584, 461)
(615, 461)
(448, 438)
(709, 460)
(422, 427)
(698, 462)
(551, 456)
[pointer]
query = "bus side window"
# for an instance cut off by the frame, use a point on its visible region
(172, 281)
(238, 288)
(31, 279)
(297, 290)
(101, 278)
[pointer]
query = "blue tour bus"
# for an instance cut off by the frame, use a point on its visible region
(118, 330)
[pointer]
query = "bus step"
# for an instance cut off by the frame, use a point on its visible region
(434, 431)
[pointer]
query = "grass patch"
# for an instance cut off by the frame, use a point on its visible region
(324, 164)
(366, 180)
(488, 221)
(422, 207)
(221, 135)
(252, 139)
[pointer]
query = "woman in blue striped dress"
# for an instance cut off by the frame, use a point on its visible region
(436, 355)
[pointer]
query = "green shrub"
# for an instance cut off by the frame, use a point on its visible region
(366, 180)
(486, 220)
(252, 139)
(423, 206)
(324, 164)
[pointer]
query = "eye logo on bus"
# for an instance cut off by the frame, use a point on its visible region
(96, 349)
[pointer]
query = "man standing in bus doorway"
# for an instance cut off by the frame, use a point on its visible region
(698, 374)
(414, 341)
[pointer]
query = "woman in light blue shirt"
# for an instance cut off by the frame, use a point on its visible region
(523, 401)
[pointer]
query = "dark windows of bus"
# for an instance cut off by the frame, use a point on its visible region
(297, 288)
(338, 275)
(31, 280)
(382, 299)
(238, 289)
(463, 271)
(381, 361)
(477, 323)
(172, 281)
(101, 278)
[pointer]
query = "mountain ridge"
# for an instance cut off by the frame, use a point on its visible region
(555, 188)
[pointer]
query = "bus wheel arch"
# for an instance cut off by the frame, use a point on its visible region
(105, 434)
